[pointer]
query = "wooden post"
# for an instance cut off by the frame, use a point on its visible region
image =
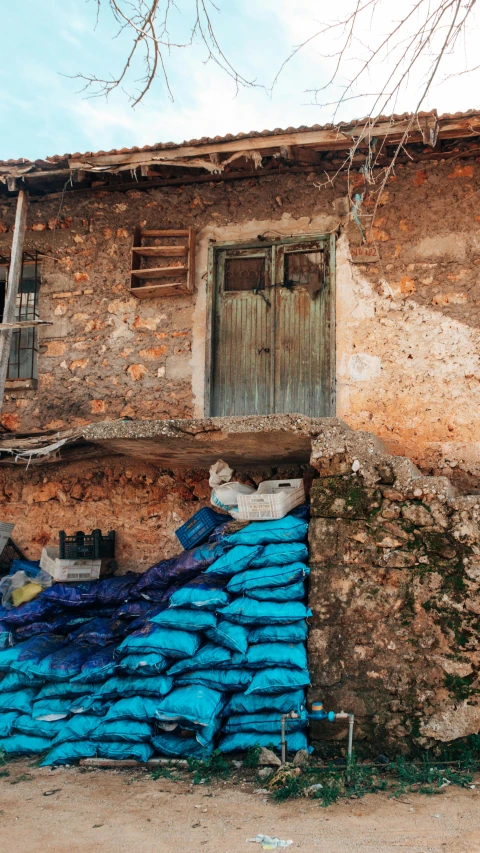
(14, 273)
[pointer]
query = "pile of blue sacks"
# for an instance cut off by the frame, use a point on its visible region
(205, 650)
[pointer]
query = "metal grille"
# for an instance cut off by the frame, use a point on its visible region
(24, 346)
(244, 274)
(305, 268)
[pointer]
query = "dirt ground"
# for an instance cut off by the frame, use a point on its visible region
(70, 810)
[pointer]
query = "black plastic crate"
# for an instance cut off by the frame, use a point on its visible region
(86, 546)
(10, 553)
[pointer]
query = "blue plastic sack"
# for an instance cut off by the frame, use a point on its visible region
(280, 554)
(116, 731)
(208, 657)
(180, 747)
(266, 655)
(35, 647)
(30, 567)
(234, 637)
(71, 594)
(278, 680)
(148, 664)
(292, 592)
(26, 725)
(32, 611)
(247, 611)
(51, 708)
(62, 664)
(99, 632)
(77, 728)
(6, 638)
(63, 690)
(17, 680)
(185, 620)
(47, 626)
(296, 632)
(167, 641)
(99, 665)
(233, 561)
(205, 591)
(89, 705)
(19, 744)
(123, 751)
(178, 569)
(133, 708)
(66, 753)
(287, 529)
(242, 741)
(136, 609)
(7, 721)
(19, 701)
(268, 577)
(264, 723)
(217, 679)
(29, 653)
(120, 687)
(198, 705)
(115, 590)
(262, 703)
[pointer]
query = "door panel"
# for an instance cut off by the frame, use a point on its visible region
(243, 334)
(272, 329)
(301, 293)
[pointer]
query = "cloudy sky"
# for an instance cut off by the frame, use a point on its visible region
(46, 43)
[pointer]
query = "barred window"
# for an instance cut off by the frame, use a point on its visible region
(24, 347)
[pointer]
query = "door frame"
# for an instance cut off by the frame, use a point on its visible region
(213, 252)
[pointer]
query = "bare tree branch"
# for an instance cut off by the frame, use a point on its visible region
(148, 24)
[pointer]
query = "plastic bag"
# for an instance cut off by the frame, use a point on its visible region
(185, 620)
(115, 590)
(209, 656)
(264, 723)
(295, 632)
(194, 704)
(247, 611)
(34, 629)
(98, 666)
(63, 689)
(242, 741)
(72, 594)
(234, 637)
(63, 664)
(235, 560)
(261, 703)
(79, 727)
(218, 679)
(17, 680)
(19, 700)
(266, 655)
(287, 529)
(166, 641)
(52, 708)
(131, 731)
(122, 751)
(220, 473)
(20, 744)
(26, 725)
(133, 708)
(187, 565)
(119, 687)
(206, 591)
(7, 721)
(32, 611)
(280, 554)
(19, 588)
(32, 650)
(6, 638)
(176, 746)
(270, 576)
(98, 632)
(66, 753)
(292, 592)
(151, 663)
(278, 680)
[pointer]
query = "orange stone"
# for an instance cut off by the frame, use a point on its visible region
(137, 371)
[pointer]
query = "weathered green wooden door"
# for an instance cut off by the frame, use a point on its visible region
(272, 347)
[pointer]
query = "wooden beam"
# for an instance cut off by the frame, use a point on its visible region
(14, 274)
(25, 324)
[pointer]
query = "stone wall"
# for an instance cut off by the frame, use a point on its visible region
(407, 327)
(395, 577)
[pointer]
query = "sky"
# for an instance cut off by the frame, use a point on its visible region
(47, 42)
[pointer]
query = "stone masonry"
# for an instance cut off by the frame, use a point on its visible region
(395, 576)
